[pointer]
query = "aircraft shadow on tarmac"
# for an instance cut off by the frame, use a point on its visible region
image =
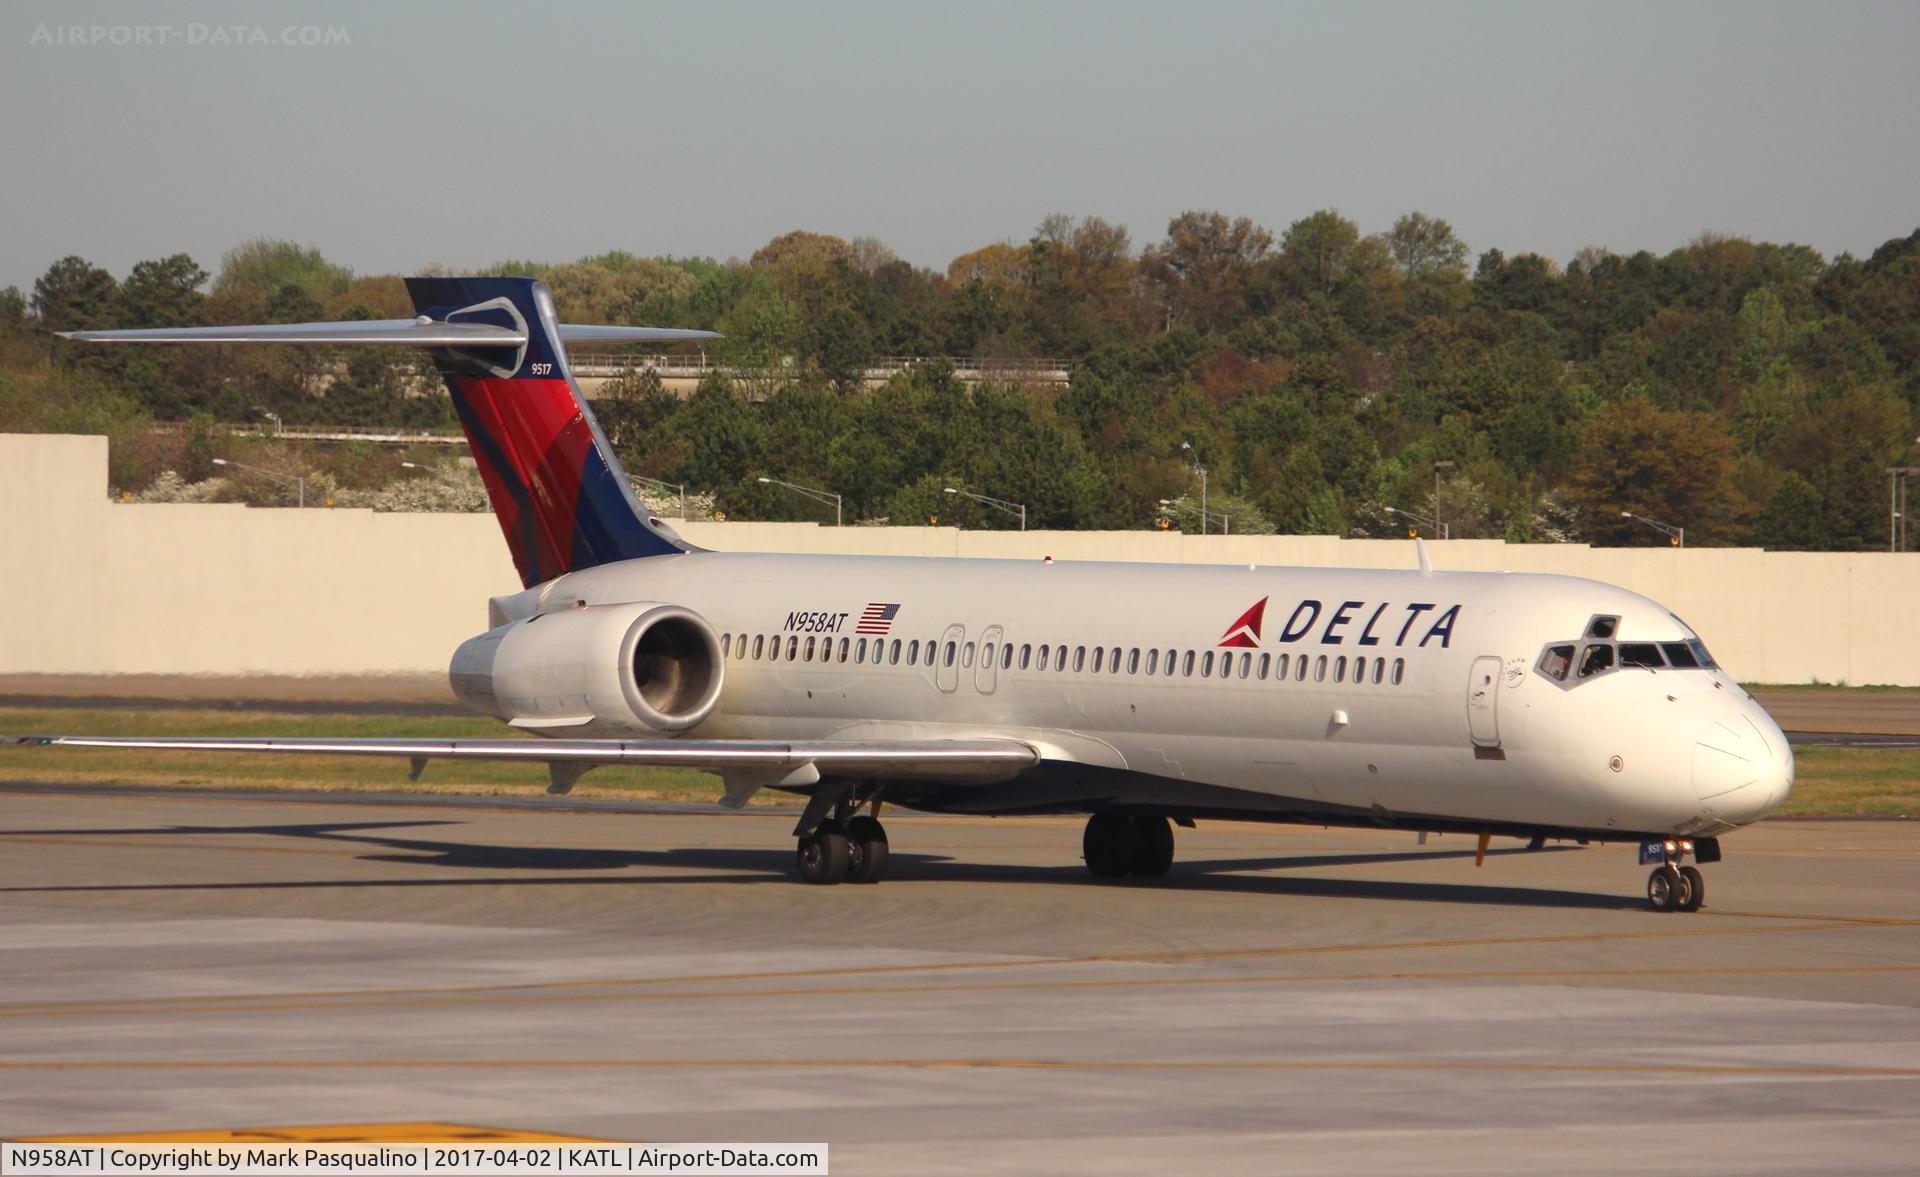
(568, 866)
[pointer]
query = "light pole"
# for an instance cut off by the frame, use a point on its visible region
(1677, 534)
(819, 496)
(679, 488)
(1004, 505)
(1897, 505)
(299, 483)
(1188, 446)
(1441, 528)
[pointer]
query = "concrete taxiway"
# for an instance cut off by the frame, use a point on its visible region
(1289, 1000)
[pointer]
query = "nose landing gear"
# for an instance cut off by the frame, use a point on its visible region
(1672, 887)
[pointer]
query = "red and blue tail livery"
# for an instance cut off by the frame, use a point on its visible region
(557, 487)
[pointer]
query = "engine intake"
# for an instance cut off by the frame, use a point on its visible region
(643, 668)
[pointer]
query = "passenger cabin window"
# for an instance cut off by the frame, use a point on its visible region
(1266, 660)
(1153, 662)
(1280, 667)
(1320, 669)
(759, 646)
(1098, 656)
(1079, 659)
(1379, 670)
(1399, 669)
(913, 652)
(950, 650)
(1133, 662)
(893, 655)
(1006, 655)
(1043, 657)
(1300, 669)
(1206, 664)
(1186, 665)
(1026, 655)
(966, 654)
(1340, 669)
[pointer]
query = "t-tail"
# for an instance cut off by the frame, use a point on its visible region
(555, 483)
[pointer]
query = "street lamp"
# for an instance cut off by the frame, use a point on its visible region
(1677, 534)
(1443, 464)
(299, 482)
(819, 496)
(1897, 505)
(1226, 520)
(679, 488)
(1004, 505)
(1188, 446)
(1439, 529)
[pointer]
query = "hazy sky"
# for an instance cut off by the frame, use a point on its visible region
(462, 134)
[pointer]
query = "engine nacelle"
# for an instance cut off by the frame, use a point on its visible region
(644, 668)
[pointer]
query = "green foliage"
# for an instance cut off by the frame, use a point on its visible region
(1748, 391)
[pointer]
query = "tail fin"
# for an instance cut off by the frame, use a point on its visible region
(556, 485)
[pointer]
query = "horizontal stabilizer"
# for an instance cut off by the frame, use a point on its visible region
(421, 332)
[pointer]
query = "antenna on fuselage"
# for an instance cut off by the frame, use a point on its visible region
(1426, 563)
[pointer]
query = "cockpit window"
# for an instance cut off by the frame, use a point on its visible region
(1602, 627)
(1595, 659)
(1679, 655)
(1641, 654)
(1556, 662)
(1700, 655)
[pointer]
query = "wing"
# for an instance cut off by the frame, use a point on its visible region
(745, 765)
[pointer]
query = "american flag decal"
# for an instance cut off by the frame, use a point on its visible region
(876, 618)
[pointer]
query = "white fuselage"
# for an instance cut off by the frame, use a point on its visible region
(1448, 723)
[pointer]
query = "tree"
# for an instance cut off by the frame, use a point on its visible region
(75, 295)
(1426, 247)
(1794, 518)
(1201, 272)
(1002, 264)
(164, 293)
(1316, 250)
(1673, 466)
(264, 266)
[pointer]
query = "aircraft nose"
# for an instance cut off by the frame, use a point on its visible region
(1742, 766)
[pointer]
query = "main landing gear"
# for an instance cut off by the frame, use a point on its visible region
(849, 847)
(1117, 845)
(1671, 886)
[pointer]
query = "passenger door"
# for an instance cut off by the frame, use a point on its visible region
(1483, 702)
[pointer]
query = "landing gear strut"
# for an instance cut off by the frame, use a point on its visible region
(1672, 887)
(849, 847)
(1117, 845)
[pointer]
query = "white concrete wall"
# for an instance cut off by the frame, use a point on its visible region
(93, 587)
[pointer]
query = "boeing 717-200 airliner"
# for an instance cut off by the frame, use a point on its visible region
(1143, 695)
